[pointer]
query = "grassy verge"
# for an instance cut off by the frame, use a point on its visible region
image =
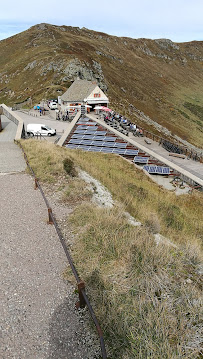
(147, 296)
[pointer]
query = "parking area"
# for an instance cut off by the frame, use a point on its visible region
(49, 119)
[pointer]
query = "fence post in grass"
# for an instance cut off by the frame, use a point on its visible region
(81, 303)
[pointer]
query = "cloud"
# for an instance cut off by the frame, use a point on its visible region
(176, 19)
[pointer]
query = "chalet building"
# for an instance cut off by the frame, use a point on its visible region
(83, 92)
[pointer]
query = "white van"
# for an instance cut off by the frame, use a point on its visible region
(53, 106)
(34, 129)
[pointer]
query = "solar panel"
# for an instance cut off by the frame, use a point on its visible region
(83, 127)
(157, 169)
(88, 136)
(106, 149)
(84, 120)
(146, 168)
(73, 140)
(166, 170)
(93, 137)
(90, 132)
(85, 148)
(152, 169)
(131, 152)
(85, 145)
(86, 123)
(96, 143)
(100, 133)
(95, 149)
(110, 139)
(78, 130)
(120, 151)
(120, 145)
(86, 142)
(104, 138)
(77, 135)
(138, 159)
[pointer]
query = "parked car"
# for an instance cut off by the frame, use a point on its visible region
(53, 106)
(34, 129)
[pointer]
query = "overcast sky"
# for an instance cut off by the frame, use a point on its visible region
(178, 20)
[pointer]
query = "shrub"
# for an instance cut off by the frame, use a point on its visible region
(69, 167)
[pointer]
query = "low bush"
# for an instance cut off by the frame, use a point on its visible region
(69, 167)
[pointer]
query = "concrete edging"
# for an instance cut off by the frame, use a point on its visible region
(68, 129)
(20, 133)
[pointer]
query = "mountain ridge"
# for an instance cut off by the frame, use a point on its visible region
(161, 78)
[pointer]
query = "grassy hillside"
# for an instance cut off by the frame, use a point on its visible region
(146, 294)
(161, 78)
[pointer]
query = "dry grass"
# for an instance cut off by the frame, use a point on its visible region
(147, 296)
(76, 191)
(179, 217)
(141, 292)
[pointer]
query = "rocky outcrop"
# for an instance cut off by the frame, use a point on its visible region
(84, 71)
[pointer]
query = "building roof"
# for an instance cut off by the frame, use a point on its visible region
(79, 90)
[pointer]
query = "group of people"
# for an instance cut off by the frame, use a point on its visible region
(123, 122)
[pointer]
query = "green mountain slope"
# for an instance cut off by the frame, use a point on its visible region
(160, 78)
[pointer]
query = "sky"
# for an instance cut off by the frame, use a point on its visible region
(178, 20)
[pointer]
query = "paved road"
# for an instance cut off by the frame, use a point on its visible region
(37, 306)
(11, 159)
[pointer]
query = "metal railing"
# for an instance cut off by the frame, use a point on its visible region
(83, 298)
(194, 155)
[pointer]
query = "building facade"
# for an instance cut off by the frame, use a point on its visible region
(83, 92)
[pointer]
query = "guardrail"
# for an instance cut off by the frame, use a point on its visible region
(83, 298)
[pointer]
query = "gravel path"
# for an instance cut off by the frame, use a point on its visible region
(38, 316)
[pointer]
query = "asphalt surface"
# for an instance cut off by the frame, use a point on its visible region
(11, 159)
(37, 305)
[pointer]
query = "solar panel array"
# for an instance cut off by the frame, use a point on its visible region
(90, 132)
(87, 123)
(78, 141)
(94, 137)
(89, 137)
(120, 151)
(157, 170)
(139, 159)
(85, 127)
